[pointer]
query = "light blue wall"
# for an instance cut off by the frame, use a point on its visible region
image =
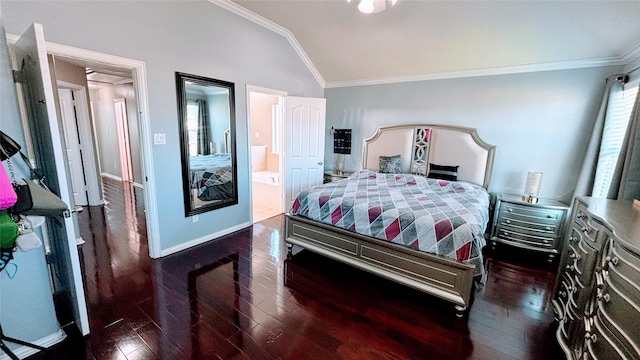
(539, 121)
(26, 303)
(186, 36)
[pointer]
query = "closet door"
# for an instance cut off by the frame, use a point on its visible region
(35, 84)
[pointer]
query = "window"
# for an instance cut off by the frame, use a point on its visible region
(615, 128)
(275, 129)
(192, 127)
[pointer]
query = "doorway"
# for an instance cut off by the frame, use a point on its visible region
(265, 111)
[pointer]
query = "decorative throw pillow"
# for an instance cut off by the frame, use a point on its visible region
(443, 172)
(390, 164)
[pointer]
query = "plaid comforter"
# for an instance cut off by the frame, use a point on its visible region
(447, 218)
(210, 171)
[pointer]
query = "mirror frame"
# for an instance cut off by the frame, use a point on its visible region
(181, 82)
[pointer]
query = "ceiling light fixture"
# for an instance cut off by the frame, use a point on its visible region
(373, 6)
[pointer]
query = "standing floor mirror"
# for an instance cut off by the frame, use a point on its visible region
(206, 115)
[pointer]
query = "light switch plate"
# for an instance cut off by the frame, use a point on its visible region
(160, 139)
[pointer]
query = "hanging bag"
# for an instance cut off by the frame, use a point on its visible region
(9, 231)
(8, 195)
(33, 197)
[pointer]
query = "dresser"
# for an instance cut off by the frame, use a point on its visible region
(597, 297)
(533, 226)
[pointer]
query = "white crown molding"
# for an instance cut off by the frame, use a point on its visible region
(631, 55)
(562, 65)
(268, 24)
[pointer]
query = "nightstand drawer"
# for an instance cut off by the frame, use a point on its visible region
(532, 214)
(509, 234)
(536, 227)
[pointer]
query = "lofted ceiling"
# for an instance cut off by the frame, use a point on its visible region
(419, 39)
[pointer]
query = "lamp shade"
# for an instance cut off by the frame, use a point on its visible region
(532, 186)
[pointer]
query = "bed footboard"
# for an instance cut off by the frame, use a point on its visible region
(432, 274)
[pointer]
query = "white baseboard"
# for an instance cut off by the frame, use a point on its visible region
(47, 341)
(203, 239)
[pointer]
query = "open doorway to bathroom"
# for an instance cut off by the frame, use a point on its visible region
(265, 113)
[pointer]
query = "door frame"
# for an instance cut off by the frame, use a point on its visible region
(85, 132)
(283, 98)
(139, 74)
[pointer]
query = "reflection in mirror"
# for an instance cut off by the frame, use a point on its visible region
(206, 114)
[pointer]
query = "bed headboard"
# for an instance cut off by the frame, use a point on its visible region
(420, 145)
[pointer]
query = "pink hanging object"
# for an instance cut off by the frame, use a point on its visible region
(8, 196)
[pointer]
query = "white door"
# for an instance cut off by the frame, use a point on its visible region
(304, 145)
(122, 130)
(72, 141)
(50, 159)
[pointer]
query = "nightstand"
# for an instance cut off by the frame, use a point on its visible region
(332, 175)
(537, 227)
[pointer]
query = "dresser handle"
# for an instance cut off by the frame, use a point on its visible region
(548, 228)
(603, 297)
(575, 256)
(509, 210)
(599, 279)
(570, 267)
(586, 230)
(573, 239)
(507, 221)
(591, 337)
(549, 216)
(581, 216)
(505, 233)
(611, 261)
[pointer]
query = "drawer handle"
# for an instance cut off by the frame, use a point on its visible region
(570, 267)
(603, 297)
(549, 216)
(586, 230)
(575, 256)
(506, 233)
(591, 337)
(507, 221)
(611, 261)
(599, 279)
(509, 210)
(548, 228)
(581, 216)
(573, 239)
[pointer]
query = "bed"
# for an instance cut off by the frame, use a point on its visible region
(211, 176)
(348, 212)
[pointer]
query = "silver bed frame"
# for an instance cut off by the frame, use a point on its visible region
(433, 274)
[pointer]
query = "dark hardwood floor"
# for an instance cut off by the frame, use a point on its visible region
(239, 297)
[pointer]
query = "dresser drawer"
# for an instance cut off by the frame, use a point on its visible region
(624, 271)
(584, 260)
(620, 316)
(599, 343)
